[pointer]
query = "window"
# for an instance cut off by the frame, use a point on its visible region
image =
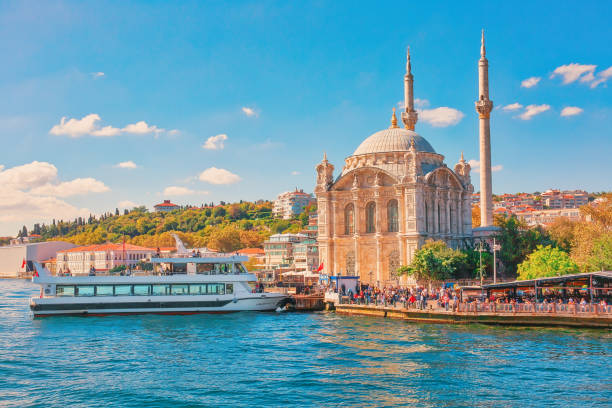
(240, 268)
(64, 290)
(349, 219)
(123, 290)
(197, 289)
(216, 288)
(229, 288)
(141, 290)
(104, 290)
(179, 268)
(392, 216)
(160, 290)
(179, 290)
(85, 290)
(371, 217)
(204, 268)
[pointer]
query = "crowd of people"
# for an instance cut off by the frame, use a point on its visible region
(448, 299)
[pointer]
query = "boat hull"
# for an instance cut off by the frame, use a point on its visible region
(174, 305)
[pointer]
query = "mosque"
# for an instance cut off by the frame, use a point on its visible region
(394, 193)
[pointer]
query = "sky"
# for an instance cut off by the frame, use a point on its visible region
(120, 103)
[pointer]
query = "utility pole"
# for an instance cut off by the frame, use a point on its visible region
(494, 261)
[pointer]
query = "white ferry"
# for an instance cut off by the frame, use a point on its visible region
(187, 283)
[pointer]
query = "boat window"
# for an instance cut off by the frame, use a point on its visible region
(123, 290)
(64, 290)
(179, 290)
(141, 290)
(216, 289)
(240, 268)
(161, 290)
(179, 268)
(85, 290)
(197, 289)
(229, 288)
(205, 268)
(104, 290)
(225, 268)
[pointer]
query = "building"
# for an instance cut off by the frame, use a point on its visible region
(256, 255)
(12, 256)
(102, 257)
(306, 255)
(166, 206)
(279, 250)
(291, 203)
(393, 193)
(555, 199)
(544, 217)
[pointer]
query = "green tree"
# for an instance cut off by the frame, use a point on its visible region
(435, 261)
(546, 261)
(601, 254)
(225, 239)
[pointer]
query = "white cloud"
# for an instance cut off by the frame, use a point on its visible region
(88, 125)
(441, 117)
(30, 193)
(295, 173)
(250, 112)
(533, 110)
(530, 82)
(214, 175)
(97, 75)
(475, 164)
(215, 142)
(27, 176)
(572, 72)
(512, 107)
(571, 111)
(126, 165)
(127, 204)
(141, 128)
(179, 191)
(419, 103)
(602, 77)
(79, 186)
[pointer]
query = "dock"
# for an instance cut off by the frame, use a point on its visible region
(590, 316)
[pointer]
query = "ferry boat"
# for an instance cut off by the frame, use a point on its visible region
(186, 283)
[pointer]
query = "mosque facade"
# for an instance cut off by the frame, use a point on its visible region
(393, 194)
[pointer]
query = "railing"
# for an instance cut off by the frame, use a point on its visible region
(542, 308)
(478, 307)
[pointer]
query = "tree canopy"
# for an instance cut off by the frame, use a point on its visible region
(546, 261)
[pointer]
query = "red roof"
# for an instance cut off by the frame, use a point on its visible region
(251, 251)
(166, 203)
(107, 248)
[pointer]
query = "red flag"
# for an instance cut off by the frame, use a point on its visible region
(320, 268)
(23, 264)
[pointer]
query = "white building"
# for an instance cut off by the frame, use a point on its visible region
(102, 257)
(306, 255)
(12, 256)
(291, 203)
(279, 249)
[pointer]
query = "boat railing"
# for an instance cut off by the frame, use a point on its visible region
(539, 308)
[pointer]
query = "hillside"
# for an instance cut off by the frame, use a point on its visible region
(227, 227)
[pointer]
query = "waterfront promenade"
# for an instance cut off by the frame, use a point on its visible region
(594, 316)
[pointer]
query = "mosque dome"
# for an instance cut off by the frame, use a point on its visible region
(393, 139)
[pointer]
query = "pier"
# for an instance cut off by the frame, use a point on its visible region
(551, 315)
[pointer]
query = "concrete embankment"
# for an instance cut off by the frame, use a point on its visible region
(516, 319)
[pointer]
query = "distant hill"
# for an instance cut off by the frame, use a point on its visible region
(227, 227)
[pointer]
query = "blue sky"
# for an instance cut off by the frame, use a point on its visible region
(161, 78)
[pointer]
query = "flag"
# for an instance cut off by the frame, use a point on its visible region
(320, 268)
(23, 264)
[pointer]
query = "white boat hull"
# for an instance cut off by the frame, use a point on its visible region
(172, 305)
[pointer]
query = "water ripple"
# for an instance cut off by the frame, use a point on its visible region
(267, 359)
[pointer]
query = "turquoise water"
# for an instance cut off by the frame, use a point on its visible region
(293, 359)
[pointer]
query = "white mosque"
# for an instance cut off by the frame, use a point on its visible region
(394, 193)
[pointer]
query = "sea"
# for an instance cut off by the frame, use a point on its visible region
(291, 360)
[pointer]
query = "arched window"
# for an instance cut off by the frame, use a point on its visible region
(349, 219)
(392, 216)
(371, 217)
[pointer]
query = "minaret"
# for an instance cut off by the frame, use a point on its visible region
(409, 116)
(484, 106)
